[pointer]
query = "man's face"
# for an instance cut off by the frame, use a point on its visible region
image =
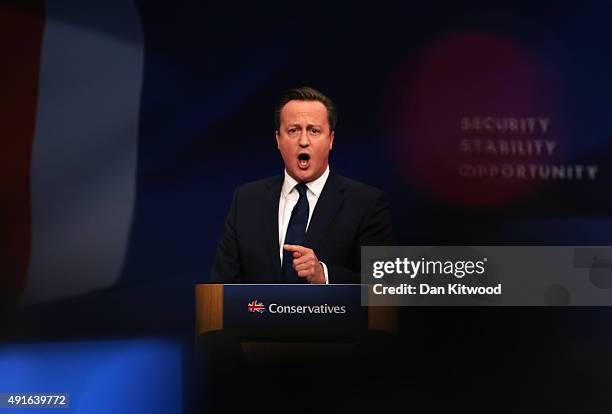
(304, 139)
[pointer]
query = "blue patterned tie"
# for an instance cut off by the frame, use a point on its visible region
(296, 232)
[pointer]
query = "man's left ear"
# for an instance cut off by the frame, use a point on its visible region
(277, 142)
(331, 140)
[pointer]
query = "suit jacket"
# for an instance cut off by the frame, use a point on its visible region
(347, 215)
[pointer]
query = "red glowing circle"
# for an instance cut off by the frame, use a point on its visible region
(476, 114)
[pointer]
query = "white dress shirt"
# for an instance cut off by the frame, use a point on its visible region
(288, 199)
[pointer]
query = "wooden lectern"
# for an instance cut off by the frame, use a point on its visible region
(310, 344)
(210, 308)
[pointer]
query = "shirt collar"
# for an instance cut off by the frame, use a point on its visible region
(315, 186)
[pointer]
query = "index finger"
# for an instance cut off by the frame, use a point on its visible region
(295, 248)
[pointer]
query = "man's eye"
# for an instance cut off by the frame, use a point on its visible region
(292, 130)
(315, 131)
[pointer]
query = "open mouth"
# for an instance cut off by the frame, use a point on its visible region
(304, 161)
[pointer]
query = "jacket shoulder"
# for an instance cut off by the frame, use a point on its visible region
(358, 188)
(256, 187)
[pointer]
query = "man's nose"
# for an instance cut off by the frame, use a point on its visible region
(303, 140)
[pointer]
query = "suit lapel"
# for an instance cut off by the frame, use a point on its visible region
(270, 207)
(329, 204)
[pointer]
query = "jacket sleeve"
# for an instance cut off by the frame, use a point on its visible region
(226, 267)
(374, 230)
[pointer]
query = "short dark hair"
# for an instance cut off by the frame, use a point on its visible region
(306, 93)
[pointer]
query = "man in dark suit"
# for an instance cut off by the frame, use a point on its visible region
(307, 225)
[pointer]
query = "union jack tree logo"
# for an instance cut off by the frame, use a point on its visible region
(255, 306)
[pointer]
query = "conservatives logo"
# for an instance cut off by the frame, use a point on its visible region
(256, 307)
